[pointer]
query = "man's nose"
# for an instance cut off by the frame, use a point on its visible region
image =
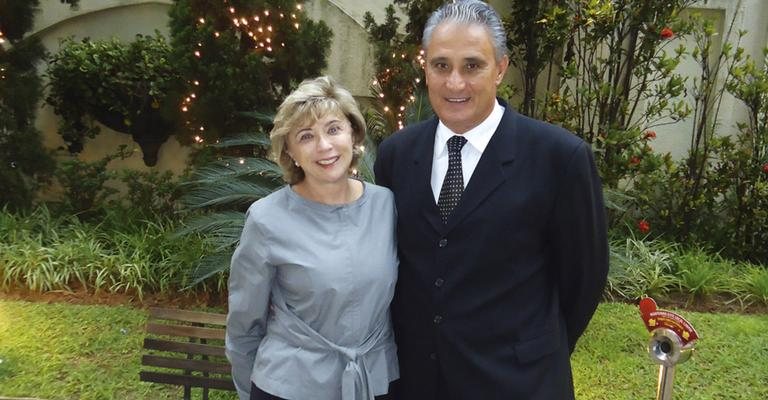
(455, 80)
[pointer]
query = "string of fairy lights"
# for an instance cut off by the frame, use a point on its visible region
(2, 68)
(384, 78)
(260, 29)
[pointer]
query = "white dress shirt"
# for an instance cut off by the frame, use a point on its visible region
(477, 140)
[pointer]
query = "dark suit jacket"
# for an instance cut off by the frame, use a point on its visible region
(496, 299)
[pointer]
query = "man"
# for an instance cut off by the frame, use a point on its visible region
(502, 236)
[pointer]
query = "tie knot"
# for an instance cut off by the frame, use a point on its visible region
(455, 143)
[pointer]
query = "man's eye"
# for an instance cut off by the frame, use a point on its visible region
(440, 66)
(472, 66)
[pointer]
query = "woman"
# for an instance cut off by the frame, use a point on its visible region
(315, 270)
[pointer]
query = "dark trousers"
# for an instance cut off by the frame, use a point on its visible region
(258, 394)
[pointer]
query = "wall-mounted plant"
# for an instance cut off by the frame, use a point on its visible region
(124, 86)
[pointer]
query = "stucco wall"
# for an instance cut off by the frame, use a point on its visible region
(350, 59)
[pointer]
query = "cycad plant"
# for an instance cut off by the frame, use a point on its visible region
(218, 193)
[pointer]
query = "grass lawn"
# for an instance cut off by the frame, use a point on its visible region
(63, 351)
(730, 362)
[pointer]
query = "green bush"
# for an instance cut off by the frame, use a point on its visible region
(226, 70)
(84, 183)
(24, 164)
(150, 193)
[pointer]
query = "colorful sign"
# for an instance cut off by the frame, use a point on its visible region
(655, 318)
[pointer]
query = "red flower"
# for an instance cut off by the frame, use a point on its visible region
(667, 33)
(643, 226)
(765, 168)
(634, 160)
(650, 135)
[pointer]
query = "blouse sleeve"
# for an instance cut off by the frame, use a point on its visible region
(250, 283)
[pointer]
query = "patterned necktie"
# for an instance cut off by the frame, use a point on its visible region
(453, 185)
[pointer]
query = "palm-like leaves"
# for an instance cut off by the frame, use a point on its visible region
(232, 182)
(419, 109)
(221, 190)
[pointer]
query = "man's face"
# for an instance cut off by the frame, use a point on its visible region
(462, 74)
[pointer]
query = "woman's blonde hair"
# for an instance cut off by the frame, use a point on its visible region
(312, 100)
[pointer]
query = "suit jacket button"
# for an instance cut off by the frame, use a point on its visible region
(443, 242)
(439, 282)
(438, 319)
(432, 356)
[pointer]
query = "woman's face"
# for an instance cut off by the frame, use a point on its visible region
(323, 150)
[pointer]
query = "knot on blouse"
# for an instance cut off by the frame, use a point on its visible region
(354, 381)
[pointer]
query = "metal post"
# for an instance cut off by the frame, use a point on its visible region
(672, 342)
(666, 378)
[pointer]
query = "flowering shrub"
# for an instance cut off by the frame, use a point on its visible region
(718, 195)
(667, 33)
(615, 80)
(643, 226)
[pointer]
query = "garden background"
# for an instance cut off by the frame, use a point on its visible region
(132, 137)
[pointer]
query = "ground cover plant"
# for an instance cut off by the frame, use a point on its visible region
(42, 252)
(692, 277)
(65, 351)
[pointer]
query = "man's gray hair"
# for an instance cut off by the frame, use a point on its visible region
(469, 12)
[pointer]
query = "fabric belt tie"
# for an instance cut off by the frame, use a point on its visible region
(355, 384)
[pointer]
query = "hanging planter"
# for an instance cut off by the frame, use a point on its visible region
(124, 86)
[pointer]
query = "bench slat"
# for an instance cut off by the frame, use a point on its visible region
(187, 316)
(181, 347)
(187, 380)
(185, 331)
(185, 364)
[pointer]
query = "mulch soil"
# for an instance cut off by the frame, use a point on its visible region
(193, 300)
(182, 300)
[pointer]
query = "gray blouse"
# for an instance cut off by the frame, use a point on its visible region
(309, 292)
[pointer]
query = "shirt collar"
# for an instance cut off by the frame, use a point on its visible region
(478, 137)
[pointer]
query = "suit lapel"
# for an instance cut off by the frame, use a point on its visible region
(489, 172)
(421, 177)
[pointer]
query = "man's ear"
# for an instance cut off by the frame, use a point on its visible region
(502, 66)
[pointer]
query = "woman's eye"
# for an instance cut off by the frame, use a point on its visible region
(305, 136)
(334, 130)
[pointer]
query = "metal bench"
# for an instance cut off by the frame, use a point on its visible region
(186, 348)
